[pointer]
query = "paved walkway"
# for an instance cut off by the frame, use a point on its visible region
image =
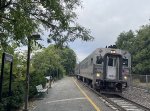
(68, 95)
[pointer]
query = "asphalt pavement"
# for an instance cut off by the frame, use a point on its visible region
(68, 94)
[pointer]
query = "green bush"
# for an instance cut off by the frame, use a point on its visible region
(1, 107)
(16, 99)
(35, 79)
(18, 95)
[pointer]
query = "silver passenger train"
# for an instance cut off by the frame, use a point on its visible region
(106, 69)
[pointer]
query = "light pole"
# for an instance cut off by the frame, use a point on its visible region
(35, 37)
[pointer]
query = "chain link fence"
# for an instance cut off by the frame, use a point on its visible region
(141, 81)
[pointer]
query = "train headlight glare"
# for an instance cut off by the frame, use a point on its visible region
(113, 51)
(125, 77)
(98, 75)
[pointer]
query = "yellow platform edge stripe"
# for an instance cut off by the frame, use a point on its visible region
(88, 98)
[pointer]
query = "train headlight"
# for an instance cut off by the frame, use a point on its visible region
(125, 77)
(98, 75)
(113, 51)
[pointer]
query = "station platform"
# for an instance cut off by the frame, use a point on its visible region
(68, 94)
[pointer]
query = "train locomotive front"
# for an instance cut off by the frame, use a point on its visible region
(106, 70)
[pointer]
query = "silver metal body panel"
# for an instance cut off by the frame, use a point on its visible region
(85, 67)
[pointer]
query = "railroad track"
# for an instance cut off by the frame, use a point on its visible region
(126, 104)
(117, 102)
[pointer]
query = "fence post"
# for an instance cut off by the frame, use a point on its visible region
(131, 82)
(147, 83)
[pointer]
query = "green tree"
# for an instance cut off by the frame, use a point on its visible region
(125, 40)
(141, 57)
(139, 46)
(20, 18)
(68, 60)
(47, 62)
(51, 61)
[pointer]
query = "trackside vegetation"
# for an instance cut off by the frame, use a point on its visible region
(50, 61)
(53, 62)
(19, 19)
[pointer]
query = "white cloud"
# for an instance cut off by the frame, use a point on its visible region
(107, 19)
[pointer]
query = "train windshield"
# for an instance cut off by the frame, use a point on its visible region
(99, 59)
(112, 61)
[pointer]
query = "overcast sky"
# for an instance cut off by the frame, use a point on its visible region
(106, 19)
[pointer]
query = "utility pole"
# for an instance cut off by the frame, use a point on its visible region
(35, 37)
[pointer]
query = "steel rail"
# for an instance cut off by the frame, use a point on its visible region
(138, 105)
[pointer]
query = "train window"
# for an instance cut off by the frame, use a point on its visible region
(91, 60)
(110, 62)
(99, 60)
(125, 62)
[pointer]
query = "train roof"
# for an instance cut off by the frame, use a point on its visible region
(103, 51)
